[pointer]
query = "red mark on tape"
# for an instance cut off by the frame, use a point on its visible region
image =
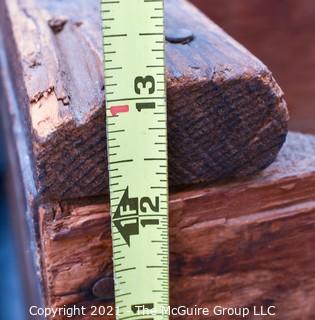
(118, 109)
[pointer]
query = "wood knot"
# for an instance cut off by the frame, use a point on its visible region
(57, 24)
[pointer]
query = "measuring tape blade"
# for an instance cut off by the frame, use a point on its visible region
(134, 67)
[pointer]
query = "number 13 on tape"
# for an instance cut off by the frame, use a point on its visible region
(134, 68)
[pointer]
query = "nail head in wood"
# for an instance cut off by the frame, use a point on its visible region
(180, 35)
(104, 288)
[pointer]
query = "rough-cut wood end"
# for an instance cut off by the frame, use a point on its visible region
(231, 255)
(226, 114)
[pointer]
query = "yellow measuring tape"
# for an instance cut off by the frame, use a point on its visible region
(134, 67)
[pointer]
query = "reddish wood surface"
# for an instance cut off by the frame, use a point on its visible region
(242, 243)
(282, 34)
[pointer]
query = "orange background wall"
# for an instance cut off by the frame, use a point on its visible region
(282, 34)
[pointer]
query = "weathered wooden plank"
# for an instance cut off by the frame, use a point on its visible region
(226, 114)
(242, 243)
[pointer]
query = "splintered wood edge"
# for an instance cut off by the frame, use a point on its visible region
(50, 105)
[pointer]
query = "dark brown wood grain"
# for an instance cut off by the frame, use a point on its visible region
(244, 243)
(226, 114)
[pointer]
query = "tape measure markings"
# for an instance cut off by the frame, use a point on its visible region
(139, 205)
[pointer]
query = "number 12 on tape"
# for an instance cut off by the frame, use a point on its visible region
(134, 68)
